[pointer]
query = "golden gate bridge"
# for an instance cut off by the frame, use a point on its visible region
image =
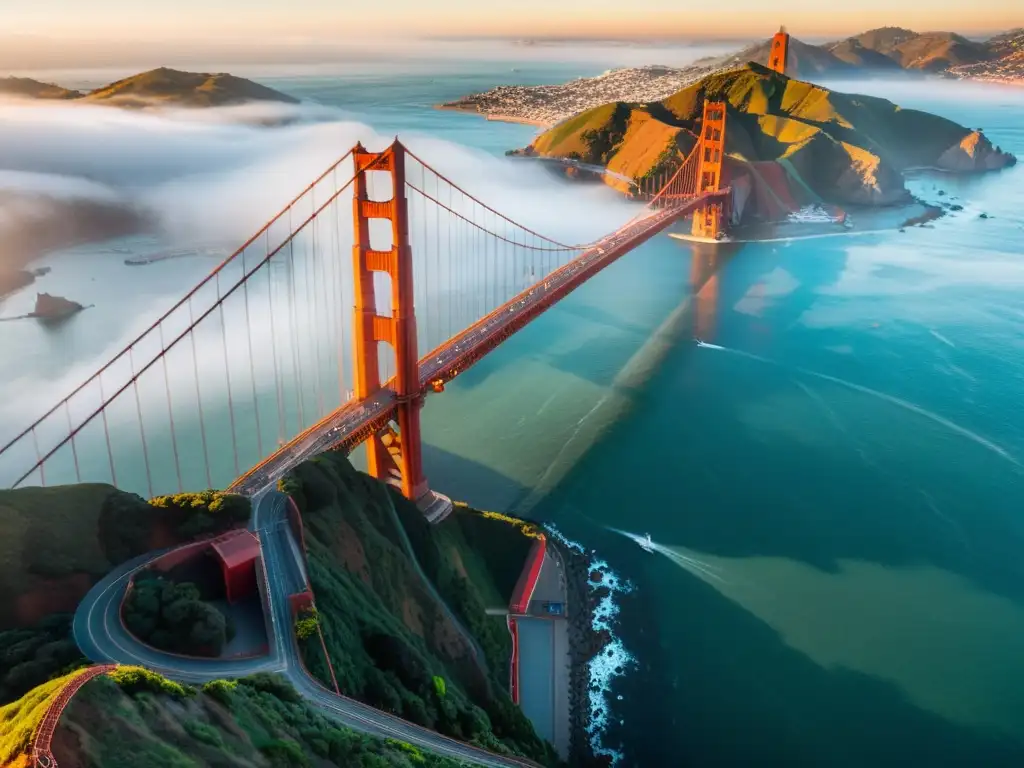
(256, 368)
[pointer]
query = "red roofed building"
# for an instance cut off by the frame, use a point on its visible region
(237, 556)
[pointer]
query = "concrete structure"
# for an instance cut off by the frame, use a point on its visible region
(778, 58)
(238, 556)
(540, 645)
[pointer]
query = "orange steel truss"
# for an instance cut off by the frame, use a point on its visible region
(779, 56)
(397, 329)
(707, 220)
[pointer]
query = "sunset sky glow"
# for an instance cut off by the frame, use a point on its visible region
(112, 19)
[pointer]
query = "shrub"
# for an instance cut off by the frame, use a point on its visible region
(139, 679)
(172, 617)
(205, 511)
(306, 624)
(275, 685)
(285, 753)
(220, 690)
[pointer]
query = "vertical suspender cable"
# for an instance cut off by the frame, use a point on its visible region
(252, 365)
(74, 449)
(199, 396)
(340, 294)
(293, 340)
(39, 456)
(273, 348)
(227, 377)
(138, 410)
(106, 434)
(170, 410)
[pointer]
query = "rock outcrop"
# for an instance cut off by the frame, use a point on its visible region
(54, 308)
(974, 153)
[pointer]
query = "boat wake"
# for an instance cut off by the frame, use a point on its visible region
(700, 568)
(942, 421)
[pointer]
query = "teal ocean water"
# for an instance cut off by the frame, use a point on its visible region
(833, 481)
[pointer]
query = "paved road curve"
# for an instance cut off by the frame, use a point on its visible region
(101, 636)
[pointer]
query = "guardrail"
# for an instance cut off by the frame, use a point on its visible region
(42, 738)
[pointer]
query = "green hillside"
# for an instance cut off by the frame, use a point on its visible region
(137, 718)
(389, 638)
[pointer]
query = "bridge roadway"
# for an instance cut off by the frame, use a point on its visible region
(355, 421)
(100, 634)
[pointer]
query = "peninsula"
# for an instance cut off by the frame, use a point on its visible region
(162, 87)
(794, 143)
(887, 50)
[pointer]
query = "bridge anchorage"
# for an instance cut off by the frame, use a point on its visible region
(277, 354)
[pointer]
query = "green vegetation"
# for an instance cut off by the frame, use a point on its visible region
(387, 636)
(205, 512)
(173, 617)
(307, 624)
(19, 720)
(137, 718)
(473, 560)
(31, 656)
(56, 542)
(844, 147)
(137, 679)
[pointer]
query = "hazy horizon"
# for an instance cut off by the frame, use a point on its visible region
(55, 34)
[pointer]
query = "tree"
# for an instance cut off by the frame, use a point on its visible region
(172, 617)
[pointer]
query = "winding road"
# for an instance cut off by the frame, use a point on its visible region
(103, 639)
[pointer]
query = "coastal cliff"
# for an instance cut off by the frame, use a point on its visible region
(840, 148)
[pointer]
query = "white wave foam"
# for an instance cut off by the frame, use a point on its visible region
(613, 660)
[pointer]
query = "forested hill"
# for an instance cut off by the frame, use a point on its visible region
(424, 649)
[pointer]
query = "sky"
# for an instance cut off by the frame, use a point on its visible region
(45, 30)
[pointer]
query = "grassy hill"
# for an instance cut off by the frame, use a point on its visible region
(25, 87)
(847, 148)
(885, 49)
(165, 86)
(155, 88)
(389, 637)
(137, 718)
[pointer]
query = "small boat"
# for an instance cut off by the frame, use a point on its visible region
(645, 543)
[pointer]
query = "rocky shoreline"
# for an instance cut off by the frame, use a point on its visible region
(584, 644)
(596, 655)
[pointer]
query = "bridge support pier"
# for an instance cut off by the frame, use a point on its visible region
(397, 461)
(708, 220)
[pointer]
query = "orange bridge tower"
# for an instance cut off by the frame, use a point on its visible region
(395, 457)
(707, 220)
(778, 58)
